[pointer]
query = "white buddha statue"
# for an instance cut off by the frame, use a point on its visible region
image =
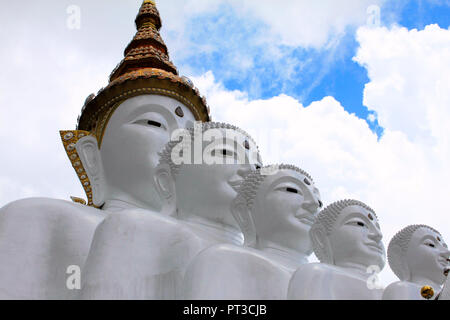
(137, 254)
(346, 238)
(114, 152)
(275, 209)
(419, 257)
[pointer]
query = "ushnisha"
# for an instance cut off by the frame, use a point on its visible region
(275, 208)
(419, 257)
(142, 254)
(346, 238)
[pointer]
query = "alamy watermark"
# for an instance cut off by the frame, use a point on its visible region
(73, 281)
(373, 281)
(373, 16)
(73, 21)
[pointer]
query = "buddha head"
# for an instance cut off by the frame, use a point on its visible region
(277, 207)
(204, 169)
(347, 234)
(121, 129)
(418, 252)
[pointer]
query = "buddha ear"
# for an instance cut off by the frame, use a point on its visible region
(165, 183)
(87, 149)
(243, 217)
(321, 244)
(397, 263)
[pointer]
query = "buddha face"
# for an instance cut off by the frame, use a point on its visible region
(356, 239)
(138, 129)
(207, 190)
(427, 256)
(284, 210)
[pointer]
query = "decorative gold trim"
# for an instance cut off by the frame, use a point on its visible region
(69, 139)
(102, 123)
(138, 82)
(78, 200)
(148, 24)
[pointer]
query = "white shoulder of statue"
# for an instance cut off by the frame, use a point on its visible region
(41, 237)
(155, 247)
(233, 272)
(401, 290)
(307, 281)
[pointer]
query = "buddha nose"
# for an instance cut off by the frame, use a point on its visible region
(310, 203)
(446, 254)
(375, 234)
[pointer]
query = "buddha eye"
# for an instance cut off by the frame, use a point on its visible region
(288, 189)
(154, 123)
(227, 153)
(222, 152)
(320, 204)
(431, 245)
(306, 181)
(147, 122)
(361, 224)
(357, 223)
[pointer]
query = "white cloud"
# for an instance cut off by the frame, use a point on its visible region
(294, 23)
(410, 79)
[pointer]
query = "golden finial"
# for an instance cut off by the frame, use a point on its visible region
(427, 292)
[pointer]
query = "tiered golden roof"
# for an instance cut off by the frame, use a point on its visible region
(147, 49)
(146, 69)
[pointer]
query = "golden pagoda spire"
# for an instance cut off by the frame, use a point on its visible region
(145, 69)
(147, 49)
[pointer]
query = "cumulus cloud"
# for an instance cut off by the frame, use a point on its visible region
(292, 23)
(264, 46)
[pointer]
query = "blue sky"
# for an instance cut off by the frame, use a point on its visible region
(308, 74)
